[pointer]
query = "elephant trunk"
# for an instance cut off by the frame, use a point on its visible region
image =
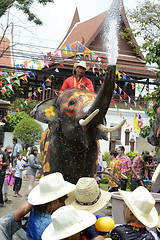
(104, 96)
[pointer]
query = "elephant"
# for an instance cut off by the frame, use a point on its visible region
(75, 123)
(154, 139)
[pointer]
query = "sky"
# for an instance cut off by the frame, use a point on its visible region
(32, 39)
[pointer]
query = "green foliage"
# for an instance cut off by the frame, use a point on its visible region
(13, 120)
(104, 180)
(132, 155)
(28, 131)
(151, 111)
(106, 158)
(25, 6)
(8, 92)
(146, 25)
(23, 105)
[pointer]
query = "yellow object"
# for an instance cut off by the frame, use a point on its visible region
(135, 124)
(104, 224)
(158, 224)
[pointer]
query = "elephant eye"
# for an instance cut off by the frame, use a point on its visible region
(71, 102)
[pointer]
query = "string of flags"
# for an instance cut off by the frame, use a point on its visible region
(14, 77)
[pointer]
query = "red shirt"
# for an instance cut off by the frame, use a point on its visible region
(71, 82)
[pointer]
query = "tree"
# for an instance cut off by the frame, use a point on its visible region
(146, 18)
(13, 119)
(28, 131)
(23, 105)
(23, 5)
(154, 98)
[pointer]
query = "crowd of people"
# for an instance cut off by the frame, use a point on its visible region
(141, 168)
(61, 210)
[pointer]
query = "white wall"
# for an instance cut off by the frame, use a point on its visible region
(113, 117)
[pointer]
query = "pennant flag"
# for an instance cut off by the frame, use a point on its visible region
(115, 85)
(124, 95)
(120, 90)
(140, 121)
(43, 85)
(39, 90)
(126, 83)
(1, 83)
(62, 64)
(48, 80)
(10, 87)
(21, 105)
(30, 99)
(25, 78)
(1, 73)
(125, 104)
(145, 112)
(2, 91)
(17, 109)
(115, 92)
(135, 103)
(5, 119)
(33, 74)
(135, 123)
(56, 70)
(35, 94)
(13, 112)
(120, 114)
(28, 75)
(39, 65)
(8, 79)
(154, 101)
(132, 84)
(5, 74)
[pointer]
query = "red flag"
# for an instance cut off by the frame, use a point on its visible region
(30, 99)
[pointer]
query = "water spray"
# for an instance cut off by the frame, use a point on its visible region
(113, 22)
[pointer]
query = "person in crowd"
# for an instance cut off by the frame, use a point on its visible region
(115, 170)
(4, 163)
(139, 215)
(15, 151)
(89, 197)
(139, 165)
(9, 176)
(18, 177)
(33, 166)
(68, 223)
(49, 195)
(78, 80)
(125, 166)
(10, 223)
(99, 166)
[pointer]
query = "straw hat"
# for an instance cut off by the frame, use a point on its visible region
(67, 221)
(88, 196)
(81, 64)
(9, 148)
(50, 187)
(141, 203)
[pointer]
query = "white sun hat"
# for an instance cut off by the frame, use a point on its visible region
(141, 203)
(50, 187)
(67, 221)
(81, 64)
(88, 196)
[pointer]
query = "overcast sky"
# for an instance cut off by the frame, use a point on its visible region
(56, 19)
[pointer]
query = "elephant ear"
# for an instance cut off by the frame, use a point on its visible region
(46, 112)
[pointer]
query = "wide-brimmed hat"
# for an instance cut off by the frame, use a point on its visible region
(81, 64)
(67, 221)
(141, 203)
(50, 187)
(88, 196)
(9, 148)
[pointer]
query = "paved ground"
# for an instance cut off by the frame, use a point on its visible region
(18, 201)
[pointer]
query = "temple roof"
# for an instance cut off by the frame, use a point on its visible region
(91, 33)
